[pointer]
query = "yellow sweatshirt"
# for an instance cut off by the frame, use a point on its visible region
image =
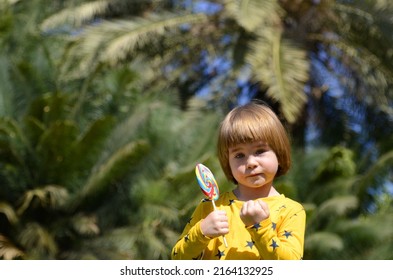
(281, 236)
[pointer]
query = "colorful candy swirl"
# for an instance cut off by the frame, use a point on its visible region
(207, 182)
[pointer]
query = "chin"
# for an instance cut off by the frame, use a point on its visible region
(256, 185)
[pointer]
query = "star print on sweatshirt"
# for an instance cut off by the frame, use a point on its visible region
(281, 236)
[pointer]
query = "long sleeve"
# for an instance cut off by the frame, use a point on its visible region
(192, 242)
(284, 238)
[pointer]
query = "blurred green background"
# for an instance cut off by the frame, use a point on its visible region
(106, 107)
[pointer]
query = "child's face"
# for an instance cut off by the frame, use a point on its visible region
(253, 164)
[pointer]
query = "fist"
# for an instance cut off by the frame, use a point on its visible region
(215, 224)
(254, 212)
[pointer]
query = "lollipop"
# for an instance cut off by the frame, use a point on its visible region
(208, 185)
(207, 182)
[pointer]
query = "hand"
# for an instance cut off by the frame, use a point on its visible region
(254, 212)
(215, 224)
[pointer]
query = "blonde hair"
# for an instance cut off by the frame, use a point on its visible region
(250, 123)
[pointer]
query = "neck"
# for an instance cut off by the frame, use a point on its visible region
(246, 193)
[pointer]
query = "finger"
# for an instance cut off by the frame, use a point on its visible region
(217, 214)
(221, 227)
(221, 213)
(224, 231)
(224, 227)
(243, 209)
(263, 205)
(252, 208)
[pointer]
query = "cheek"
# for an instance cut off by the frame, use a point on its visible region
(234, 166)
(273, 165)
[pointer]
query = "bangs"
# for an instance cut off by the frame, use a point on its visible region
(245, 129)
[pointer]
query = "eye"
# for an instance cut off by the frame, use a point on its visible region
(260, 151)
(239, 155)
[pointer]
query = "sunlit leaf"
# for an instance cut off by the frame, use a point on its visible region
(8, 251)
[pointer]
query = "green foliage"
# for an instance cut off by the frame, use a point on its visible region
(63, 181)
(99, 163)
(275, 40)
(339, 164)
(162, 35)
(338, 226)
(325, 245)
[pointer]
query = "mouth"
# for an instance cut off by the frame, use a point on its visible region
(255, 175)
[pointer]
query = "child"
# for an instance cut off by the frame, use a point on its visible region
(257, 221)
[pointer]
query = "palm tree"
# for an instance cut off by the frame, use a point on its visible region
(61, 183)
(49, 189)
(64, 166)
(277, 39)
(65, 163)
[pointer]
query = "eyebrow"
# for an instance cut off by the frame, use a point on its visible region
(258, 145)
(233, 150)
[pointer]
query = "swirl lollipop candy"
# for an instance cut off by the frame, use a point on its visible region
(208, 185)
(207, 182)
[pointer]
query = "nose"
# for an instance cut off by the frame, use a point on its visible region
(251, 162)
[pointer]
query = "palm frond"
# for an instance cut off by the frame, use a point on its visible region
(150, 244)
(337, 206)
(110, 171)
(53, 147)
(163, 211)
(364, 45)
(8, 211)
(288, 70)
(323, 191)
(137, 34)
(112, 41)
(325, 244)
(360, 233)
(76, 16)
(85, 225)
(332, 210)
(12, 139)
(91, 144)
(37, 241)
(9, 251)
(51, 196)
(117, 244)
(381, 166)
(338, 164)
(365, 63)
(252, 14)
